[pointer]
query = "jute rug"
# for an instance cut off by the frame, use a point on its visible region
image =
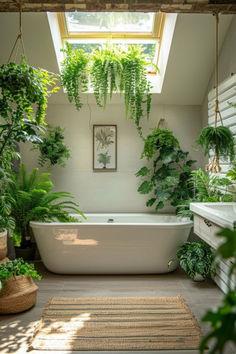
(117, 324)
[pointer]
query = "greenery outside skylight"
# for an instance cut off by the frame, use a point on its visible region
(109, 22)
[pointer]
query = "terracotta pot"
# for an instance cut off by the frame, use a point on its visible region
(3, 244)
(19, 294)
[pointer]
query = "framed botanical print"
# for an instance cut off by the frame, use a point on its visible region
(104, 147)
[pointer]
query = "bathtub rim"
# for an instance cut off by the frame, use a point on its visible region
(182, 224)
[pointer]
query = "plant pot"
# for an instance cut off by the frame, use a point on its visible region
(4, 260)
(198, 277)
(19, 294)
(3, 244)
(26, 253)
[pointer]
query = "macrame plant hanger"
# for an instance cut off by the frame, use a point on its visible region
(19, 38)
(214, 165)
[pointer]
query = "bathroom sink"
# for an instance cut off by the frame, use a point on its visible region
(222, 214)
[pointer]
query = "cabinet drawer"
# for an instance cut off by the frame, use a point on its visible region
(207, 230)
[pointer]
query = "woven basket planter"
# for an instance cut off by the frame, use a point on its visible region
(4, 260)
(19, 294)
(3, 244)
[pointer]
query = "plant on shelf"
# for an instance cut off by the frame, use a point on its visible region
(74, 74)
(15, 268)
(196, 259)
(223, 319)
(207, 188)
(169, 177)
(52, 148)
(33, 199)
(219, 140)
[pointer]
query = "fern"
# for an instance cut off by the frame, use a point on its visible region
(219, 139)
(32, 199)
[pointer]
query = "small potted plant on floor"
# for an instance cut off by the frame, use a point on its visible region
(18, 292)
(196, 259)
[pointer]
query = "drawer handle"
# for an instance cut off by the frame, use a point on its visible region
(207, 222)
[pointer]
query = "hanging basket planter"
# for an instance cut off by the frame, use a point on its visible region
(19, 294)
(217, 139)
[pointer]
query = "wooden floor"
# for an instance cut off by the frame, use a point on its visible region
(16, 330)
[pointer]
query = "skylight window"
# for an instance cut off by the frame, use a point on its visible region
(91, 30)
(111, 22)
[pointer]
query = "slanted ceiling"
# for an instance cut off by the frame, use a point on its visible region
(171, 6)
(189, 68)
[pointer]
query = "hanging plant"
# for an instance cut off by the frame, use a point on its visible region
(106, 69)
(135, 85)
(169, 177)
(219, 140)
(24, 91)
(52, 147)
(74, 74)
(110, 70)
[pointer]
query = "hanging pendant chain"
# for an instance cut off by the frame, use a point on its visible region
(19, 37)
(217, 111)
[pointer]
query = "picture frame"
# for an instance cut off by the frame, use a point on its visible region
(104, 147)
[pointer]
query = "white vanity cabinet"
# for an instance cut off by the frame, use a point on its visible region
(209, 219)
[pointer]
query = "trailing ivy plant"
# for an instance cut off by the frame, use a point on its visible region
(25, 91)
(219, 140)
(135, 84)
(169, 177)
(74, 74)
(207, 188)
(110, 69)
(106, 69)
(223, 319)
(52, 148)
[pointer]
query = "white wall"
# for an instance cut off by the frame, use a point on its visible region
(111, 191)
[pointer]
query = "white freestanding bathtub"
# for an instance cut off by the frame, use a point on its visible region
(112, 243)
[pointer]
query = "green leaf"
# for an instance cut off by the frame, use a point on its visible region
(146, 187)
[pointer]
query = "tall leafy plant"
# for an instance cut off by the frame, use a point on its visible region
(168, 178)
(74, 74)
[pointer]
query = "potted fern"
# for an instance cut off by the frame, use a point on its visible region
(219, 140)
(33, 199)
(18, 292)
